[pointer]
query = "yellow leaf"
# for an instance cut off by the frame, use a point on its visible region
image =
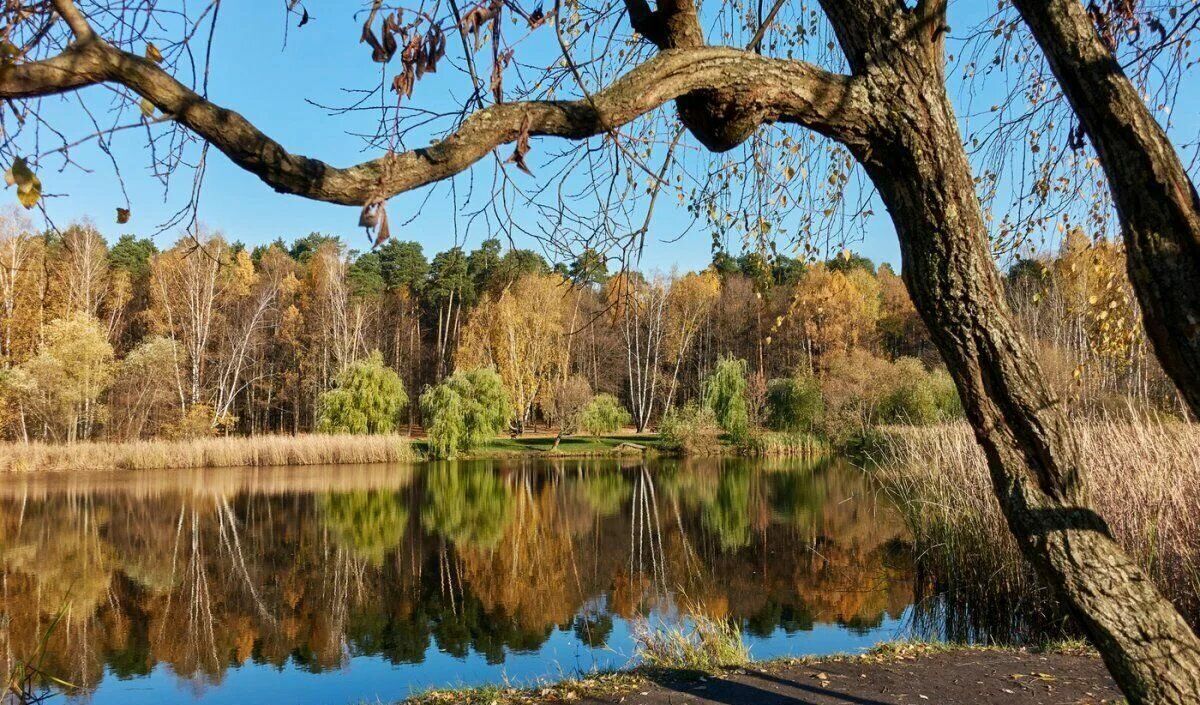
(147, 107)
(29, 186)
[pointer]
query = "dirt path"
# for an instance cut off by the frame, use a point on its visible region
(964, 677)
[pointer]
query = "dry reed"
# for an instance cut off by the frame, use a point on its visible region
(257, 451)
(1142, 476)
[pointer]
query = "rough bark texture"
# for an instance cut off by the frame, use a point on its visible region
(916, 159)
(1156, 201)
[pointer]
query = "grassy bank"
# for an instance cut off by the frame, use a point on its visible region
(258, 451)
(320, 449)
(532, 444)
(1143, 477)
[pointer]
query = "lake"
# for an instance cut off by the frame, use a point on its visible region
(332, 585)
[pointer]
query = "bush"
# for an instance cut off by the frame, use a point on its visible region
(918, 396)
(603, 414)
(945, 395)
(794, 405)
(463, 411)
(725, 394)
(368, 398)
(690, 430)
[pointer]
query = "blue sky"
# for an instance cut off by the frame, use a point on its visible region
(254, 74)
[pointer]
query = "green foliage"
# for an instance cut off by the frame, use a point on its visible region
(365, 275)
(919, 397)
(304, 248)
(603, 414)
(690, 430)
(467, 504)
(132, 255)
(445, 424)
(945, 395)
(590, 267)
(403, 264)
(725, 394)
(850, 261)
(369, 523)
(368, 398)
(794, 404)
(464, 411)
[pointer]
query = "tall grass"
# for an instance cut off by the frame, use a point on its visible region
(257, 451)
(784, 444)
(1143, 477)
(694, 642)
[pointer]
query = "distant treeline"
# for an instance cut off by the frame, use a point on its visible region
(209, 336)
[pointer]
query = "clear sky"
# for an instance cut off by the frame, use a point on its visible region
(253, 73)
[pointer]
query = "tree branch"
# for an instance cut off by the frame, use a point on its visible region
(75, 20)
(765, 89)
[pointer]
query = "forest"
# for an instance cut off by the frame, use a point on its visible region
(209, 337)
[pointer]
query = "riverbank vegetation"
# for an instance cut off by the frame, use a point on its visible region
(1144, 480)
(129, 343)
(262, 451)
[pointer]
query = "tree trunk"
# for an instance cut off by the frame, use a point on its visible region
(915, 157)
(1156, 201)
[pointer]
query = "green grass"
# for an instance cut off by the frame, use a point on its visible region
(570, 446)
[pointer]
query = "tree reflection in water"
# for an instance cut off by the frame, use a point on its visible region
(208, 571)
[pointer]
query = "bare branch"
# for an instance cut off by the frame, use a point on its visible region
(766, 89)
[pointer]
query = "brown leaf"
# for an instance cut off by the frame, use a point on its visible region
(497, 82)
(122, 216)
(522, 147)
(153, 54)
(537, 18)
(369, 217)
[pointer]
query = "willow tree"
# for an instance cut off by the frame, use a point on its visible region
(876, 92)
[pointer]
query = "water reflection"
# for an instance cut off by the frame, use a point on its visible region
(386, 579)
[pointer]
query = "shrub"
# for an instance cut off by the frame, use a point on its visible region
(725, 394)
(463, 411)
(368, 398)
(794, 404)
(945, 395)
(603, 414)
(910, 398)
(690, 430)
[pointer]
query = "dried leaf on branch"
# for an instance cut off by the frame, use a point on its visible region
(522, 147)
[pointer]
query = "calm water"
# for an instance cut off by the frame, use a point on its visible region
(346, 584)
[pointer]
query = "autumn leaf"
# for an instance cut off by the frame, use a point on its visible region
(29, 187)
(304, 18)
(147, 107)
(122, 215)
(153, 54)
(522, 147)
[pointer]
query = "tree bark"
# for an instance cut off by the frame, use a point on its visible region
(916, 160)
(1156, 201)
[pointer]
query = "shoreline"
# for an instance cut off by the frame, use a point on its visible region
(331, 449)
(891, 673)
